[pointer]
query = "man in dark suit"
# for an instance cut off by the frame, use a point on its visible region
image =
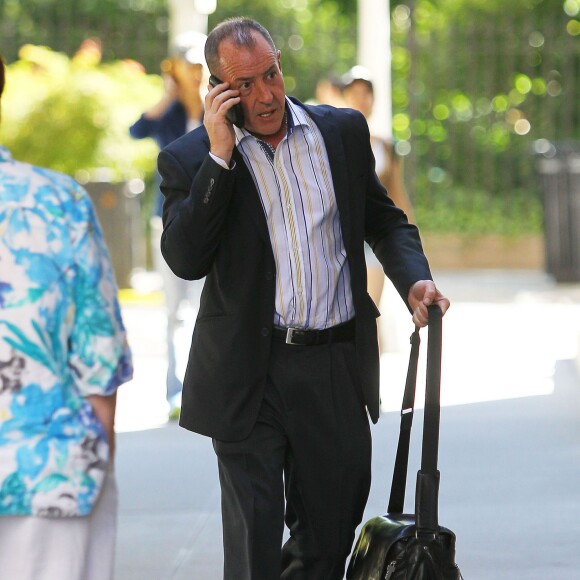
(284, 359)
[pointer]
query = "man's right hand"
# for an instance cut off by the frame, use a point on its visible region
(218, 102)
(421, 295)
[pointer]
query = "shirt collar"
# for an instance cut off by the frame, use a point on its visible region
(296, 117)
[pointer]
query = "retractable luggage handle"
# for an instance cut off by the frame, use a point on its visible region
(427, 489)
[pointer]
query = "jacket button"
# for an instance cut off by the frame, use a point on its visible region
(265, 331)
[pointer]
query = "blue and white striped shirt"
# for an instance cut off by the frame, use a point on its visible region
(295, 185)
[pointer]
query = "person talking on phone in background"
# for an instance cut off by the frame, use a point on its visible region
(179, 111)
(284, 362)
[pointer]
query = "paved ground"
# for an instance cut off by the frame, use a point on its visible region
(510, 441)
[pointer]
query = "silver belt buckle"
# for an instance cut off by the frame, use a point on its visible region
(290, 335)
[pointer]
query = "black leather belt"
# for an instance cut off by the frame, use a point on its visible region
(340, 333)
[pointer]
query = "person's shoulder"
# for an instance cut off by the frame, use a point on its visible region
(190, 142)
(341, 116)
(56, 197)
(352, 116)
(322, 108)
(64, 184)
(66, 193)
(41, 177)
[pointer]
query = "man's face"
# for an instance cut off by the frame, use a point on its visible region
(187, 75)
(359, 96)
(257, 74)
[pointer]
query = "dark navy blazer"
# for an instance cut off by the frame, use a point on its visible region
(214, 226)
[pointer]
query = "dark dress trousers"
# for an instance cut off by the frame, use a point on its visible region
(214, 226)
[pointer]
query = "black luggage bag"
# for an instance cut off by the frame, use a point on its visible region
(399, 546)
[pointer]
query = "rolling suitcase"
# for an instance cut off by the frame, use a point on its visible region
(399, 546)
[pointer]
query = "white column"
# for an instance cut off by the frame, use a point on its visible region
(187, 15)
(374, 53)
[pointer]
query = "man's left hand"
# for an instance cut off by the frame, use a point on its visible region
(422, 294)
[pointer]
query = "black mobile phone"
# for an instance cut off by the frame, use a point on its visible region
(234, 115)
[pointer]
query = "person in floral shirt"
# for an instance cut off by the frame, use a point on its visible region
(63, 354)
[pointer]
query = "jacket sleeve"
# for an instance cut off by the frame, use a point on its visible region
(144, 127)
(194, 212)
(395, 242)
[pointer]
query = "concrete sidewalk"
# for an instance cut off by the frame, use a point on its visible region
(509, 452)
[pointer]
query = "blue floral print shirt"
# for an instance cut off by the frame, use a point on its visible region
(61, 339)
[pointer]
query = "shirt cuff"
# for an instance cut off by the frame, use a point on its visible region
(221, 162)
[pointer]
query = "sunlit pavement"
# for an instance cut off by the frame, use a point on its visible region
(502, 337)
(510, 446)
(142, 403)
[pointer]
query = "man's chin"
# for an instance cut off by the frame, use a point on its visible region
(266, 127)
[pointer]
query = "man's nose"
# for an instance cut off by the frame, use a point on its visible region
(264, 93)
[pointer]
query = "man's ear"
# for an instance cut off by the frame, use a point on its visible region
(278, 55)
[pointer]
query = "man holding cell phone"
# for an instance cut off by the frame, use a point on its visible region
(235, 114)
(284, 363)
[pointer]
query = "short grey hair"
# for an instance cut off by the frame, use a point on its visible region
(240, 31)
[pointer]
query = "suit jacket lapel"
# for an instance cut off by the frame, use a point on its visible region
(250, 197)
(338, 165)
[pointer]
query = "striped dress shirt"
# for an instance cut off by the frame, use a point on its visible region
(297, 194)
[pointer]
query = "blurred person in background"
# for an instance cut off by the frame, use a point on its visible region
(179, 110)
(358, 93)
(63, 354)
(328, 91)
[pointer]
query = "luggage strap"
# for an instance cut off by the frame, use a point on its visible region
(427, 489)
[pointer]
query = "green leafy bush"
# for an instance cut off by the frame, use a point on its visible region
(73, 114)
(477, 212)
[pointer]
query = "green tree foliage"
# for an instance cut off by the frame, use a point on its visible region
(316, 37)
(127, 28)
(73, 114)
(475, 84)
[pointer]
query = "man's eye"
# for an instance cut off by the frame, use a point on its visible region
(244, 87)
